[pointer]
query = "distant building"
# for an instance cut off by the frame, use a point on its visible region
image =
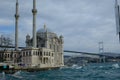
(5, 41)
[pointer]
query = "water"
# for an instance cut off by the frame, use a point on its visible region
(97, 71)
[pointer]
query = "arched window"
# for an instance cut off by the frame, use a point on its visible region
(44, 54)
(23, 54)
(29, 53)
(0, 55)
(46, 60)
(40, 53)
(43, 60)
(52, 54)
(36, 53)
(26, 53)
(15, 55)
(8, 55)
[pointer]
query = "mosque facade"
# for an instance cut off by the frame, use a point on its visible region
(49, 50)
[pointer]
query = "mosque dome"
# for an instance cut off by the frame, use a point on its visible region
(42, 30)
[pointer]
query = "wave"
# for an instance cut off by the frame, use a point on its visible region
(2, 76)
(74, 66)
(17, 75)
(116, 66)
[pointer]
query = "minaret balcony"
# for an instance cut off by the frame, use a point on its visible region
(34, 11)
(17, 16)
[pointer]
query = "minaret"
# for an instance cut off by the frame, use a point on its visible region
(46, 37)
(16, 25)
(117, 15)
(34, 11)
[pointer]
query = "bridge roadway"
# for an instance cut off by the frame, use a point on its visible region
(68, 51)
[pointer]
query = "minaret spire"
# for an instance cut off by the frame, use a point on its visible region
(34, 11)
(117, 15)
(46, 38)
(45, 27)
(115, 2)
(16, 25)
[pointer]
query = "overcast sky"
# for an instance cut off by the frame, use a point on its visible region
(83, 23)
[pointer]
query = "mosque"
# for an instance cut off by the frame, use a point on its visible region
(48, 51)
(43, 50)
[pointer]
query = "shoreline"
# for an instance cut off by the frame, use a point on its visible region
(12, 71)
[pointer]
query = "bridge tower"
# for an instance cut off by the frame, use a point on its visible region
(101, 50)
(101, 47)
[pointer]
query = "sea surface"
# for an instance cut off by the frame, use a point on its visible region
(96, 71)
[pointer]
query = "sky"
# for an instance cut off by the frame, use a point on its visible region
(83, 23)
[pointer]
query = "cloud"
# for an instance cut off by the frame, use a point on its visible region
(5, 22)
(83, 23)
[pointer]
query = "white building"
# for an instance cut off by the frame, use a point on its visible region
(49, 51)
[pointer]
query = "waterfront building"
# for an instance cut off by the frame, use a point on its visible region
(48, 52)
(43, 50)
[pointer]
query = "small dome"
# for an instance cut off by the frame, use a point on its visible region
(61, 36)
(28, 35)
